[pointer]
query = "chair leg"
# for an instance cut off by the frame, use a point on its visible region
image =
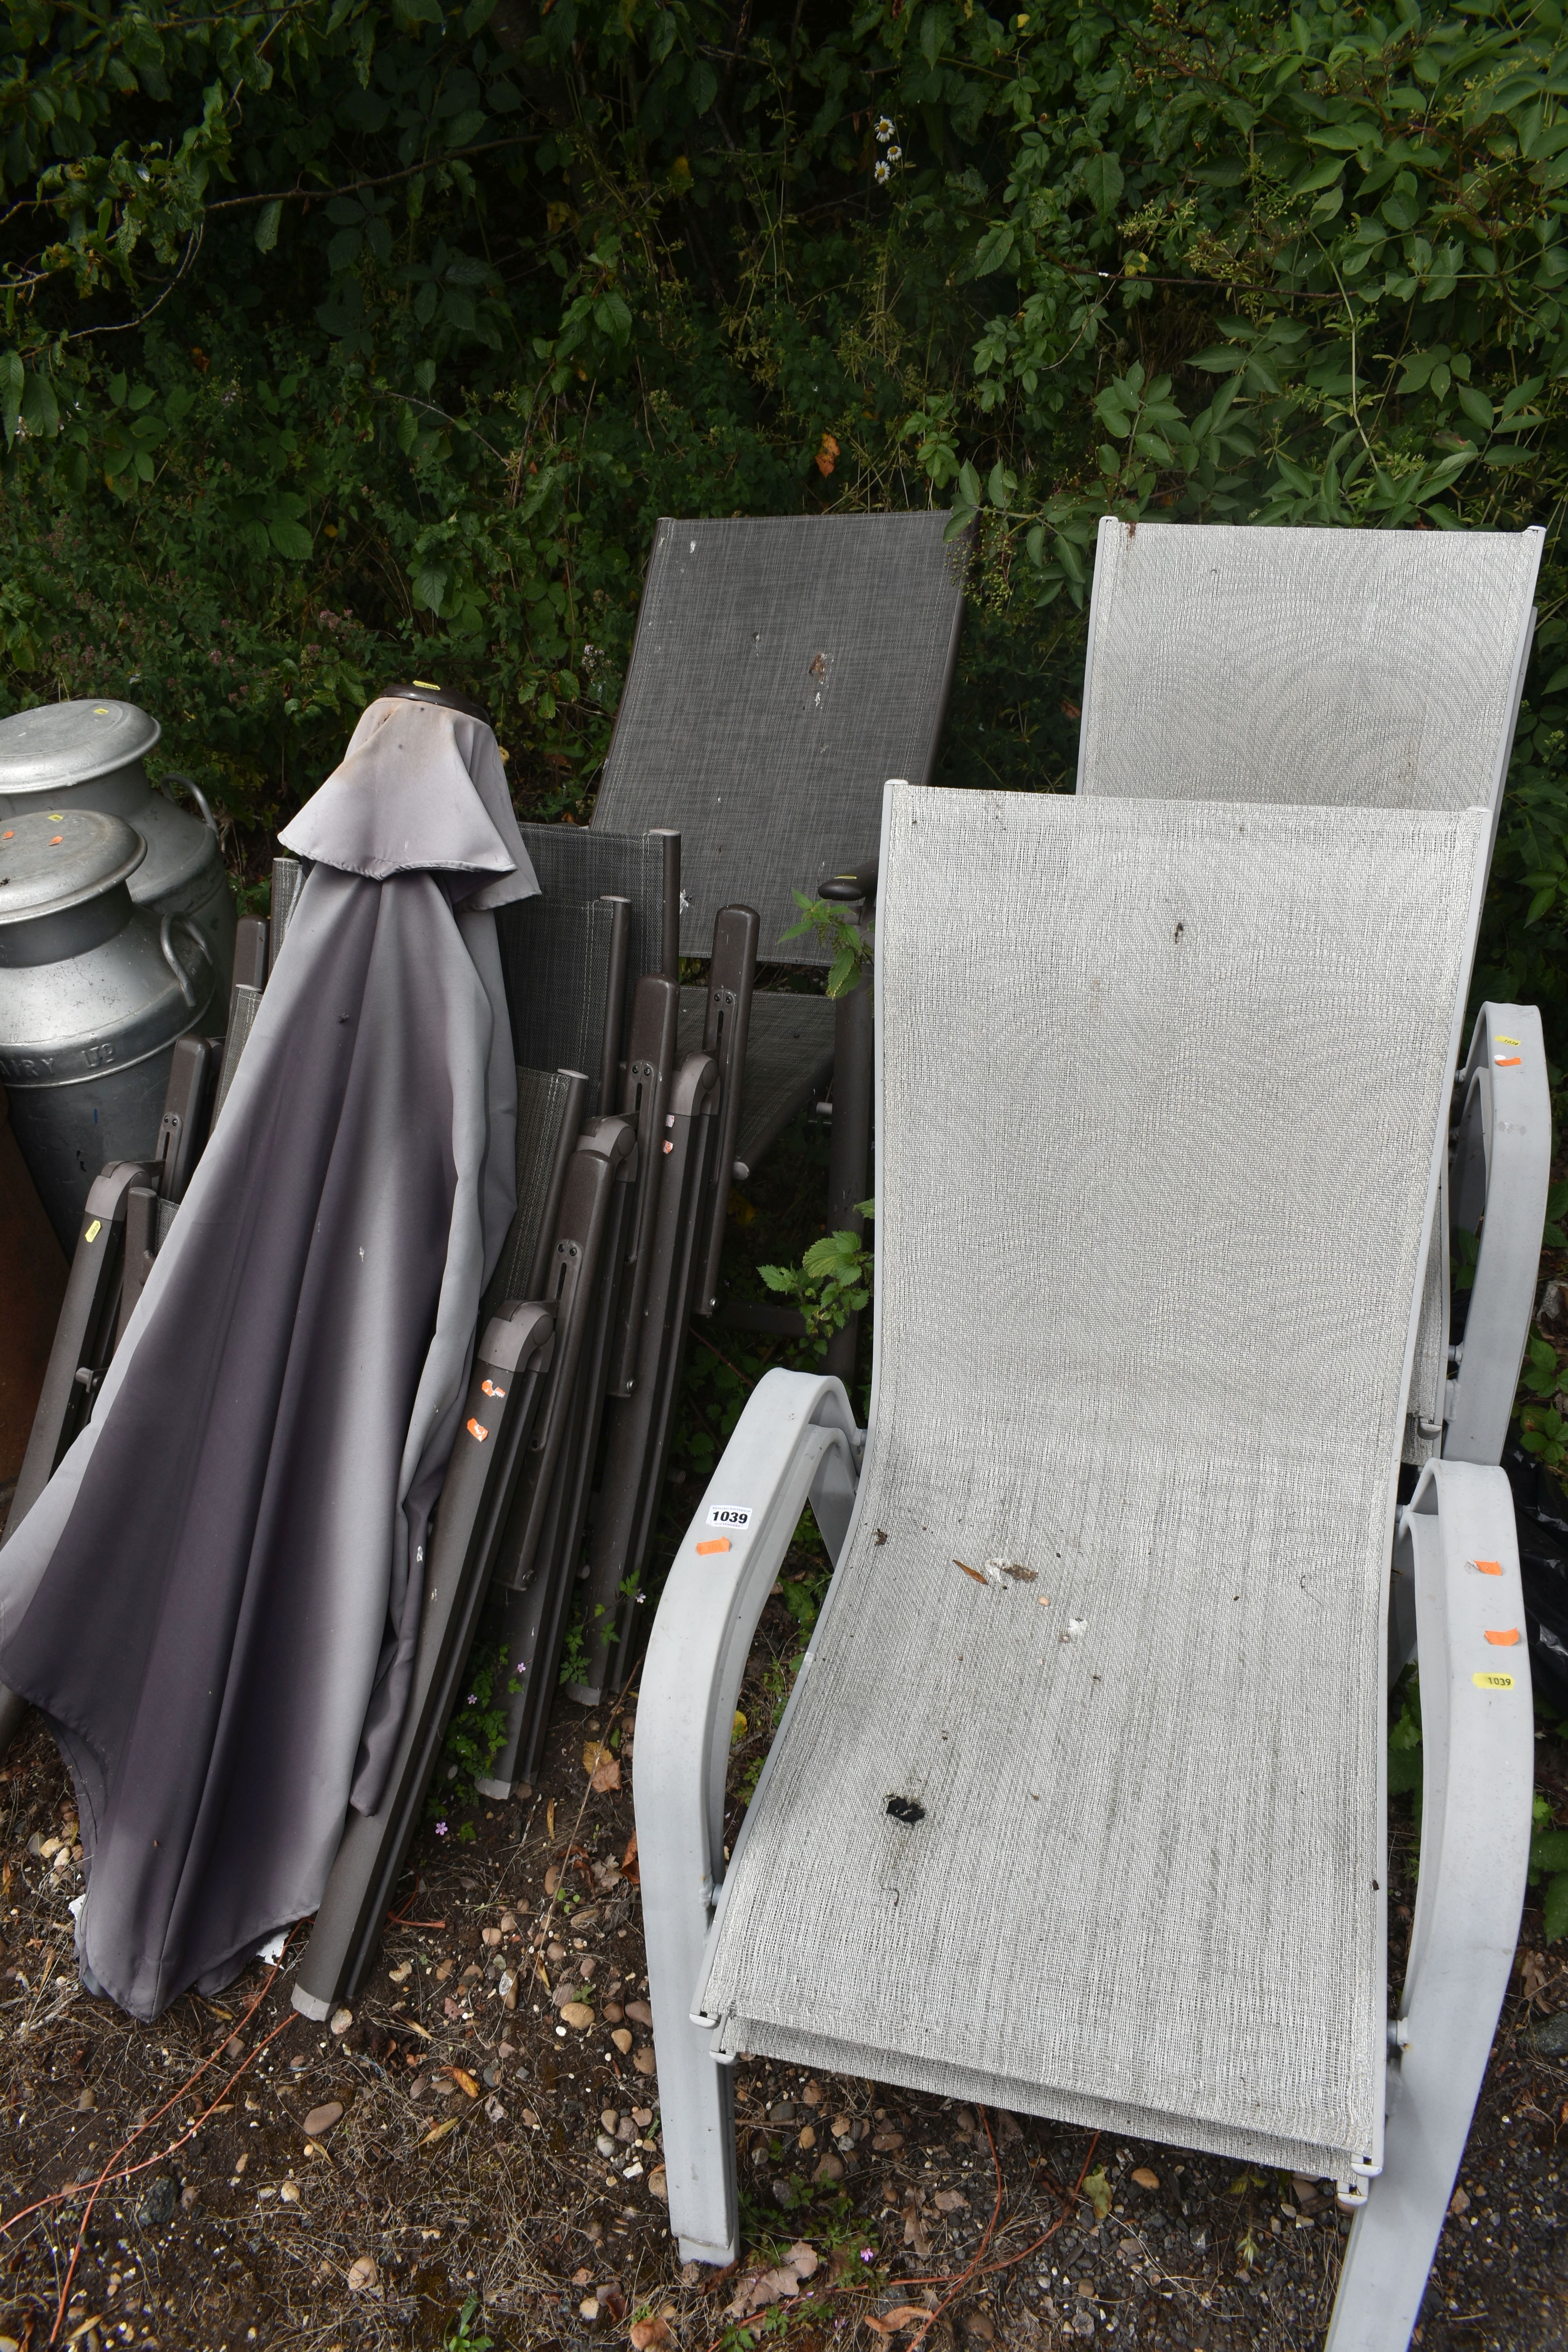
(1458, 1538)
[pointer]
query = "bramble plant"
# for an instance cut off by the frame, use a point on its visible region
(832, 1282)
(853, 947)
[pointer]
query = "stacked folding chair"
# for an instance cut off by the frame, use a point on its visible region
(1151, 1377)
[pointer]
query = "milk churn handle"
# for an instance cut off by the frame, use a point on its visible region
(173, 776)
(166, 942)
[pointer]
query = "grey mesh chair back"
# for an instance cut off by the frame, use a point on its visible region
(1361, 668)
(578, 863)
(1352, 668)
(783, 667)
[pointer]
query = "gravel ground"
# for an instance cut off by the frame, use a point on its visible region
(445, 2154)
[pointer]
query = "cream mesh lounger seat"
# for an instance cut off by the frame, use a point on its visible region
(1368, 668)
(1095, 1830)
(1356, 668)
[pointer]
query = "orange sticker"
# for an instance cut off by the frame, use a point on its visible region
(714, 1543)
(56, 839)
(477, 1430)
(7, 836)
(1505, 1639)
(1488, 1567)
(488, 1388)
(1508, 1061)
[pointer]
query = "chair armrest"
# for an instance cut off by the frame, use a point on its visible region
(795, 1443)
(1498, 1178)
(1456, 1545)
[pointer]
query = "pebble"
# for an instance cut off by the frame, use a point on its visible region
(1145, 2177)
(622, 2039)
(644, 2062)
(491, 1936)
(322, 2118)
(1550, 2038)
(363, 2274)
(639, 2012)
(343, 2020)
(577, 2013)
(290, 2192)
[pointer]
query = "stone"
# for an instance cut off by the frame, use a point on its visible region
(578, 2014)
(622, 2039)
(639, 2012)
(341, 2020)
(324, 2117)
(1550, 2038)
(644, 2062)
(491, 1936)
(290, 2192)
(363, 2274)
(658, 2185)
(156, 2208)
(830, 2168)
(1145, 2177)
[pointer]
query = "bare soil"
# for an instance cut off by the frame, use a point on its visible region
(493, 2160)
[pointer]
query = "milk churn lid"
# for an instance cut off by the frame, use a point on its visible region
(63, 743)
(48, 862)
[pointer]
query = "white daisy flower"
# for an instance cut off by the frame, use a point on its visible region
(882, 170)
(894, 154)
(884, 130)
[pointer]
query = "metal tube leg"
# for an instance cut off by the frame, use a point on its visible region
(848, 1168)
(695, 2094)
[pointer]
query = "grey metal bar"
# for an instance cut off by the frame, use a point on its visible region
(615, 999)
(645, 1095)
(731, 978)
(672, 946)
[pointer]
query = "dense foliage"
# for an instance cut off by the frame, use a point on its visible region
(346, 338)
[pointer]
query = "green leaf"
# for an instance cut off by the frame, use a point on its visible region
(995, 250)
(702, 85)
(267, 226)
(1549, 1849)
(1098, 2190)
(1556, 1909)
(290, 538)
(1103, 184)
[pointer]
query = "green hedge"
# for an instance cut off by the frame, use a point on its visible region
(347, 340)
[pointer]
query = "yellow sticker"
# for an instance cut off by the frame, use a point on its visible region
(1492, 1681)
(93, 1229)
(1506, 1041)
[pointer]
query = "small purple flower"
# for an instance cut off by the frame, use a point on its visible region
(441, 1832)
(867, 2254)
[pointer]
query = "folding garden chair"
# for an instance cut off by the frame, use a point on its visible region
(783, 666)
(1121, 1528)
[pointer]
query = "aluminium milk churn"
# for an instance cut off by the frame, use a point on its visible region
(90, 755)
(94, 989)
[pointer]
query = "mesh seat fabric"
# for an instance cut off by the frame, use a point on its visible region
(789, 1060)
(578, 865)
(784, 668)
(555, 960)
(1366, 668)
(543, 1099)
(1157, 1157)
